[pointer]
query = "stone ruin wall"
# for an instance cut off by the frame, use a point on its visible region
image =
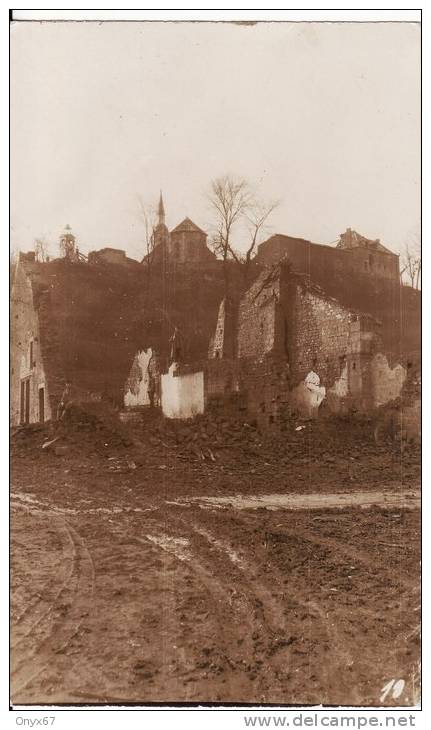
(286, 330)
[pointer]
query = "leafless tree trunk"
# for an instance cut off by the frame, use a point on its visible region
(411, 263)
(229, 198)
(147, 216)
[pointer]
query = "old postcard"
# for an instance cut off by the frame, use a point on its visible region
(215, 363)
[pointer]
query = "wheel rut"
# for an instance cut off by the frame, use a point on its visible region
(53, 620)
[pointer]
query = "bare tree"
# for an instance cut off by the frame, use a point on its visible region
(411, 262)
(40, 249)
(256, 215)
(147, 216)
(233, 201)
(229, 198)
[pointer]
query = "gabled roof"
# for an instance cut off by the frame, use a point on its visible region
(187, 226)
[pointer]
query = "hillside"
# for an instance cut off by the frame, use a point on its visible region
(93, 319)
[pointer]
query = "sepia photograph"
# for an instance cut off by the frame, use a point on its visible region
(215, 363)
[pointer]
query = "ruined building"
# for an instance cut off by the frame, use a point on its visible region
(30, 400)
(317, 330)
(185, 244)
(88, 321)
(354, 255)
(297, 348)
(360, 273)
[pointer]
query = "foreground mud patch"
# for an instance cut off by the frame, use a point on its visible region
(310, 604)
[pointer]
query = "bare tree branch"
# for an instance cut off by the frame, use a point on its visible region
(257, 215)
(40, 249)
(229, 198)
(411, 262)
(232, 200)
(148, 217)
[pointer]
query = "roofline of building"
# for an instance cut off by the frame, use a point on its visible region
(386, 251)
(305, 280)
(178, 227)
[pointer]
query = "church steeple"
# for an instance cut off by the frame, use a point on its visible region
(161, 210)
(161, 233)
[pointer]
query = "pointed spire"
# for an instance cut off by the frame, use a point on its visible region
(161, 210)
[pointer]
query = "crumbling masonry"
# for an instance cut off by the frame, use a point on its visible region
(288, 328)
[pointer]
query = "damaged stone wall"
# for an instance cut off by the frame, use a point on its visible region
(386, 382)
(259, 317)
(222, 376)
(266, 386)
(143, 384)
(318, 335)
(358, 283)
(306, 398)
(30, 402)
(411, 402)
(299, 348)
(223, 343)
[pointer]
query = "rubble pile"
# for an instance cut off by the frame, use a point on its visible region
(339, 448)
(84, 430)
(207, 437)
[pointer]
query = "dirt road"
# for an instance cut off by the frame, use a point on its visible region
(125, 596)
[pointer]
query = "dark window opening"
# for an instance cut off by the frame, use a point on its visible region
(31, 355)
(25, 401)
(354, 366)
(41, 405)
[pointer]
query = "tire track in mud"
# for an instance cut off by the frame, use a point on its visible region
(372, 617)
(42, 604)
(53, 627)
(226, 611)
(278, 627)
(342, 548)
(268, 625)
(344, 648)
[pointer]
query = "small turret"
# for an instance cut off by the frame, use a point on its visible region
(67, 244)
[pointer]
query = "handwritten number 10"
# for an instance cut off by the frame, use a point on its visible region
(397, 687)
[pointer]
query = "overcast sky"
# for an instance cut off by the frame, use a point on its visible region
(324, 117)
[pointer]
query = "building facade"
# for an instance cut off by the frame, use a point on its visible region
(294, 342)
(186, 244)
(30, 402)
(353, 255)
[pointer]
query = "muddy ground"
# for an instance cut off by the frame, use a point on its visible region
(162, 563)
